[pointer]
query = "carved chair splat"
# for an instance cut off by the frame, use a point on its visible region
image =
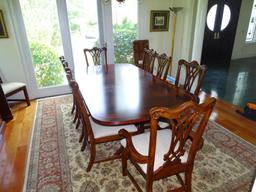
(95, 54)
(162, 153)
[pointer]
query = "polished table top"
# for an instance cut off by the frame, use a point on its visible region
(123, 93)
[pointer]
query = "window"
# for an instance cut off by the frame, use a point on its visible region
(251, 33)
(211, 17)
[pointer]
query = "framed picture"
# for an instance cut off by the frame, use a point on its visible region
(159, 20)
(3, 30)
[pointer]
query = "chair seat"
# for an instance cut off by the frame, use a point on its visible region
(163, 124)
(163, 141)
(103, 131)
(10, 87)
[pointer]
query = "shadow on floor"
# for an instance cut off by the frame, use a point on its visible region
(236, 85)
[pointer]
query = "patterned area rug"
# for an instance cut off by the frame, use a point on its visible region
(225, 163)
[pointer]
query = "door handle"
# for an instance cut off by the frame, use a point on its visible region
(218, 35)
(214, 35)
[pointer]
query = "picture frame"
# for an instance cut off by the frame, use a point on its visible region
(159, 20)
(3, 29)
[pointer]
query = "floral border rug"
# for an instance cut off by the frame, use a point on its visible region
(55, 163)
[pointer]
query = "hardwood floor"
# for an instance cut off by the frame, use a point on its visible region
(13, 153)
(14, 150)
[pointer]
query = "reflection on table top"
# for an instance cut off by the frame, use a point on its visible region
(123, 93)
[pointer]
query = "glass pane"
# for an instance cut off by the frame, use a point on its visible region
(251, 32)
(226, 17)
(42, 27)
(125, 19)
(83, 23)
(211, 16)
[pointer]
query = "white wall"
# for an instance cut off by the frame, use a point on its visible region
(199, 28)
(161, 41)
(11, 67)
(242, 49)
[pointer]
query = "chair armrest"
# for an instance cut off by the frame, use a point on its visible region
(130, 149)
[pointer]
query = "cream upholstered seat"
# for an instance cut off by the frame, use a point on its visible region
(103, 131)
(11, 88)
(163, 125)
(163, 141)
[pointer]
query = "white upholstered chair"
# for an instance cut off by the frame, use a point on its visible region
(162, 153)
(95, 133)
(12, 88)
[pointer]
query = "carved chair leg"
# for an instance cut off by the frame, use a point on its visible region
(26, 95)
(124, 161)
(85, 138)
(76, 116)
(188, 180)
(149, 185)
(201, 143)
(92, 157)
(78, 123)
(73, 108)
(84, 144)
(81, 135)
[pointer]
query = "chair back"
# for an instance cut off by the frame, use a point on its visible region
(97, 55)
(181, 119)
(62, 58)
(82, 110)
(193, 71)
(138, 50)
(149, 60)
(163, 66)
(69, 74)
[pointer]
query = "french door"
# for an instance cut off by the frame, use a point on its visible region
(220, 30)
(44, 29)
(47, 29)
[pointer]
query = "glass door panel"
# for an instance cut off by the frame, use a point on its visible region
(125, 19)
(43, 33)
(84, 28)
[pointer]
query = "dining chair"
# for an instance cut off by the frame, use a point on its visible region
(149, 60)
(194, 76)
(98, 55)
(163, 66)
(11, 88)
(63, 62)
(77, 118)
(96, 133)
(67, 70)
(138, 51)
(162, 153)
(62, 58)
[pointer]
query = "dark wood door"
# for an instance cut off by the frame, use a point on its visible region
(220, 30)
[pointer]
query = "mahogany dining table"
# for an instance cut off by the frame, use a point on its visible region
(119, 94)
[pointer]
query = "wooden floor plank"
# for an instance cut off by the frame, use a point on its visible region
(14, 151)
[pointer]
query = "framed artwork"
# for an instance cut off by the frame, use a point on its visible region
(159, 20)
(3, 30)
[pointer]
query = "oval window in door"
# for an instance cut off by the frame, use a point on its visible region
(211, 16)
(225, 17)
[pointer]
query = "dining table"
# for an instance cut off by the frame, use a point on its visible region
(120, 94)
